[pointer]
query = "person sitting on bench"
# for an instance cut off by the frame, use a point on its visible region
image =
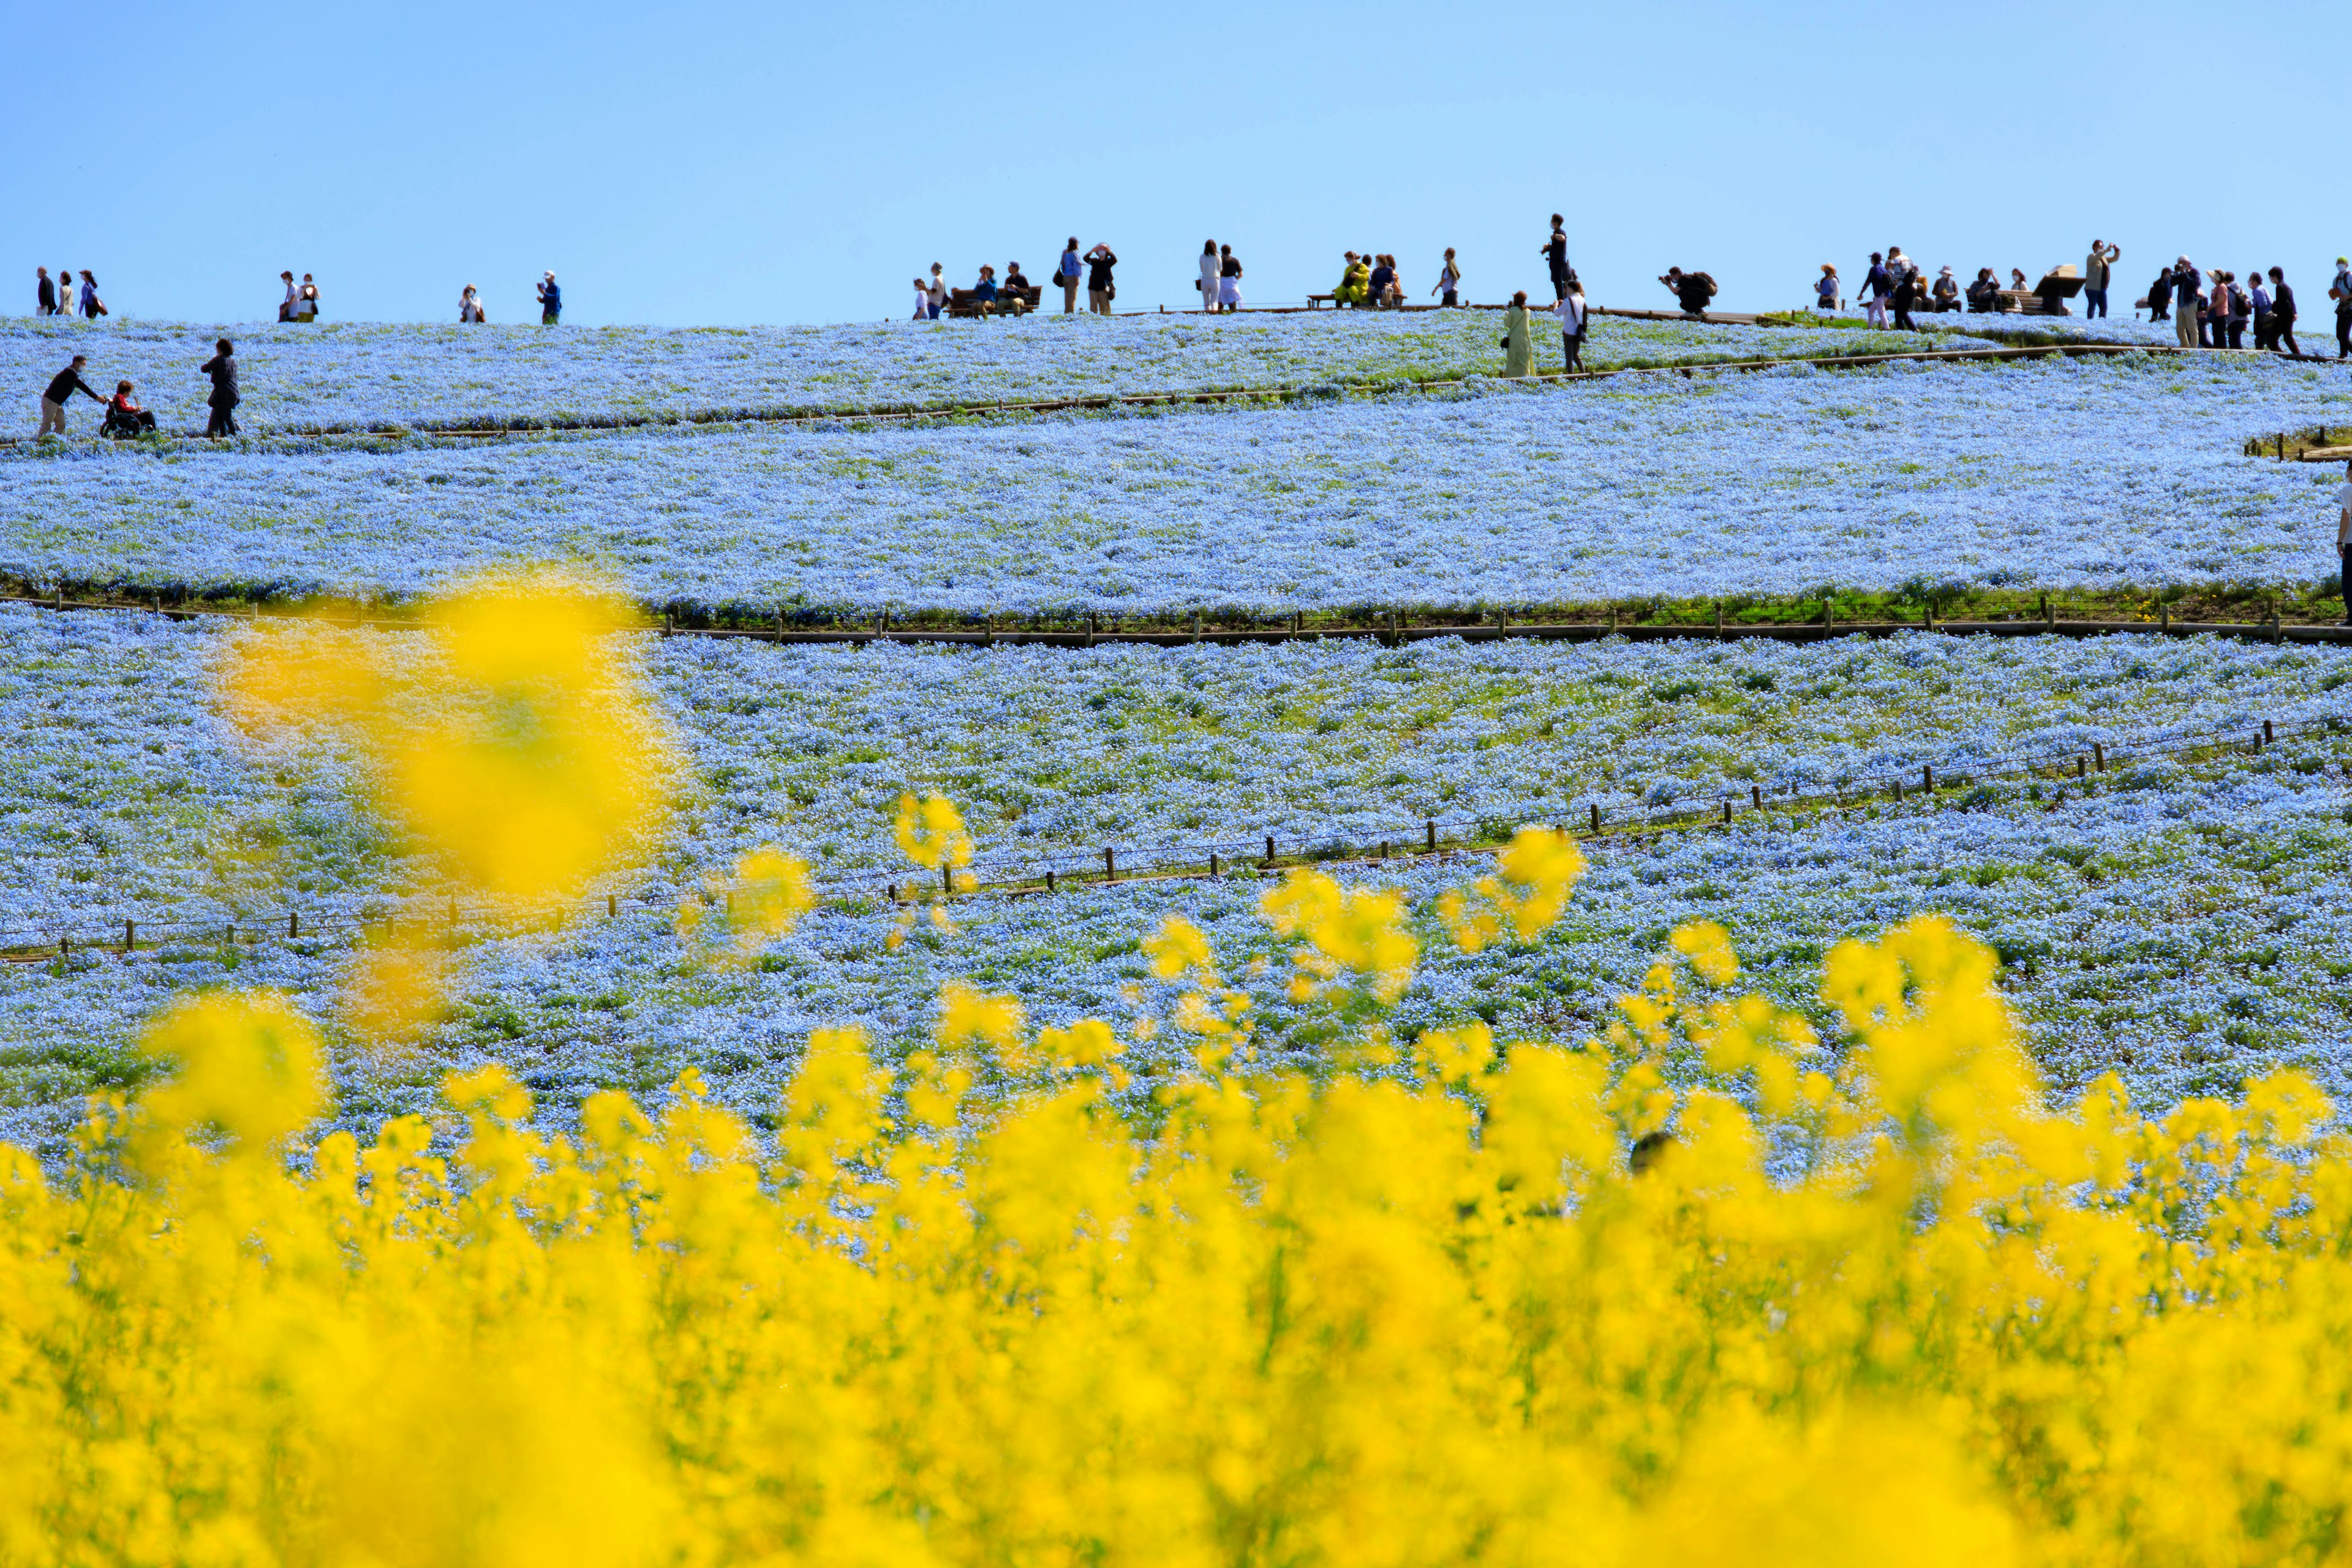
(984, 292)
(1355, 285)
(1382, 281)
(1012, 279)
(1946, 293)
(1984, 294)
(123, 415)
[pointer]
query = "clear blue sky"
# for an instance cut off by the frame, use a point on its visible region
(724, 163)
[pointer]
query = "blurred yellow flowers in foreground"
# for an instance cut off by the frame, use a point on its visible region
(1449, 1313)
(1704, 1289)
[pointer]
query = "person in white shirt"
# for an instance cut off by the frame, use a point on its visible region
(2344, 540)
(306, 301)
(935, 295)
(1572, 316)
(469, 306)
(286, 306)
(1209, 277)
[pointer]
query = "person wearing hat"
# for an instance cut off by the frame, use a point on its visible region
(2341, 292)
(2097, 272)
(551, 300)
(1946, 293)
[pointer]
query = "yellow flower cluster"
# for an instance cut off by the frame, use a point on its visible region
(1522, 898)
(1490, 1307)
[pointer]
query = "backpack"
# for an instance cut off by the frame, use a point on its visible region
(1707, 280)
(2240, 305)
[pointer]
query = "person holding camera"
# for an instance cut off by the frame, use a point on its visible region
(1100, 290)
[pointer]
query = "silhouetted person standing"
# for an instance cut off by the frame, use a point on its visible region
(223, 399)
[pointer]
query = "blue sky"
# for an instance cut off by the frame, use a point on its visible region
(723, 164)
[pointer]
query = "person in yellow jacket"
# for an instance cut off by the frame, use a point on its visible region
(1518, 347)
(1355, 282)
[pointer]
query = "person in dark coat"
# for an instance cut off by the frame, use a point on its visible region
(2282, 314)
(46, 293)
(223, 399)
(64, 384)
(2159, 296)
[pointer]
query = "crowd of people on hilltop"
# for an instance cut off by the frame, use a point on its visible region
(56, 297)
(2215, 311)
(1014, 295)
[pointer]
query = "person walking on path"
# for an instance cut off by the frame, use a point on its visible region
(46, 293)
(469, 307)
(1877, 285)
(1066, 273)
(1229, 279)
(2282, 314)
(2261, 296)
(2341, 292)
(92, 307)
(2217, 310)
(2241, 310)
(2096, 270)
(62, 386)
(1825, 288)
(1449, 282)
(551, 300)
(2344, 542)
(1554, 254)
(223, 399)
(1572, 318)
(2187, 289)
(1100, 289)
(286, 306)
(1518, 347)
(306, 301)
(937, 290)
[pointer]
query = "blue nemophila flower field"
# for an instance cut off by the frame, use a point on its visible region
(2106, 474)
(126, 799)
(369, 375)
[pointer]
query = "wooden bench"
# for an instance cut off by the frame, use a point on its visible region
(1008, 301)
(1313, 300)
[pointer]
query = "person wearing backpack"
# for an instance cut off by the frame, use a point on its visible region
(2261, 297)
(2241, 310)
